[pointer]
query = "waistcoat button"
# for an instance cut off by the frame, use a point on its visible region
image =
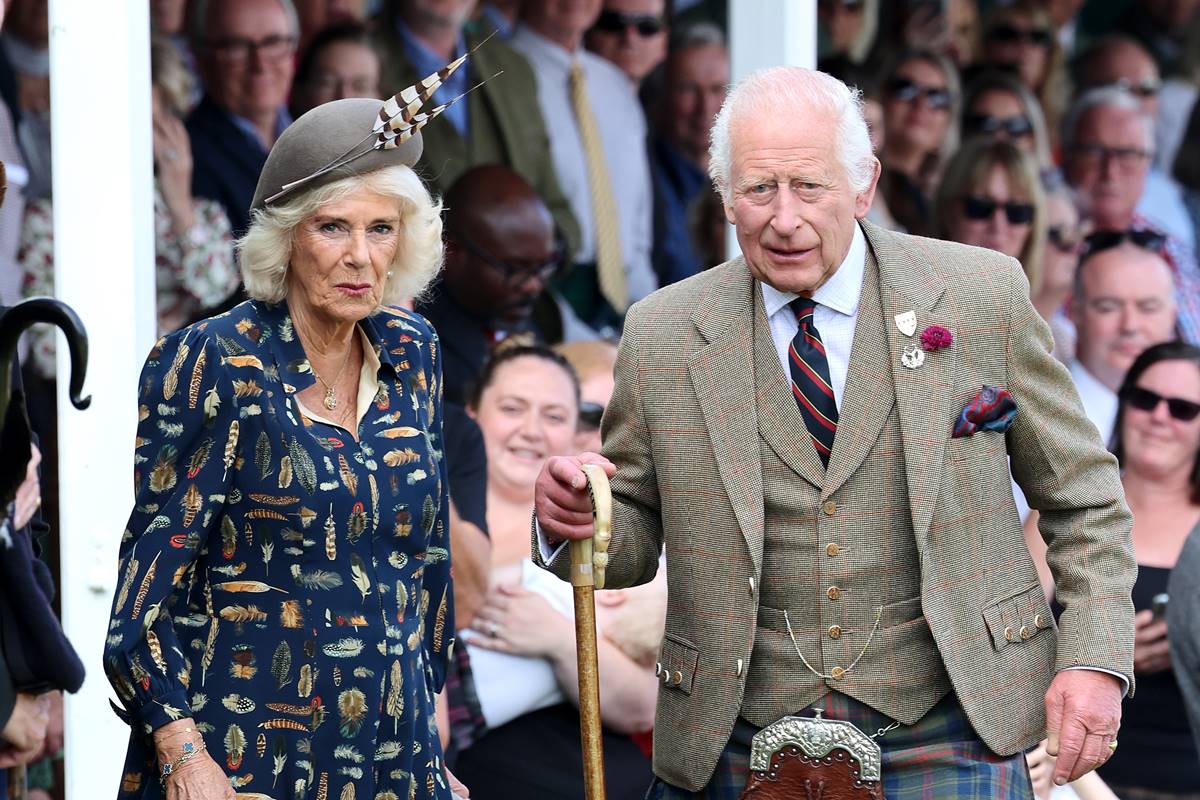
(829, 507)
(837, 673)
(833, 593)
(835, 631)
(832, 549)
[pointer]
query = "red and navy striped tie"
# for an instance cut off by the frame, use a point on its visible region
(810, 379)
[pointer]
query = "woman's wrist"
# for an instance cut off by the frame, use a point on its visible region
(171, 740)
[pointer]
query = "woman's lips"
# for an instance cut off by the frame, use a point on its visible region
(355, 289)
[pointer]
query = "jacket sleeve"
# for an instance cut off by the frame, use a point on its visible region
(184, 456)
(437, 595)
(1066, 473)
(8, 692)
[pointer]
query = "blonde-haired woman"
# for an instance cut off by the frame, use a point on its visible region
(991, 196)
(1021, 37)
(285, 610)
(998, 106)
(193, 245)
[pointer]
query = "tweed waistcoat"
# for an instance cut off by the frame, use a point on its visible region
(836, 566)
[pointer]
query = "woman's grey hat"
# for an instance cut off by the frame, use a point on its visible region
(312, 147)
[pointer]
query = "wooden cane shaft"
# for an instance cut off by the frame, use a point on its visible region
(589, 693)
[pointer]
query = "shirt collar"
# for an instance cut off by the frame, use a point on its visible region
(840, 293)
(544, 48)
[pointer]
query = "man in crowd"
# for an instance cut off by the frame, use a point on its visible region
(1120, 61)
(1108, 143)
(598, 146)
(244, 52)
(755, 444)
(696, 78)
(1123, 302)
(500, 255)
(498, 123)
(631, 34)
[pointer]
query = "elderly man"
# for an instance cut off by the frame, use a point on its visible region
(631, 34)
(500, 255)
(1121, 61)
(804, 429)
(1108, 143)
(498, 123)
(1123, 302)
(598, 146)
(696, 79)
(244, 52)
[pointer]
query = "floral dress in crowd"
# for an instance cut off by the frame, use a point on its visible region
(283, 584)
(194, 273)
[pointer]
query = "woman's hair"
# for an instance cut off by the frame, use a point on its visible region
(1167, 351)
(265, 252)
(503, 354)
(349, 32)
(801, 91)
(996, 81)
(968, 171)
(169, 74)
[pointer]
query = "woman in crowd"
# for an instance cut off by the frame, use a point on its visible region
(339, 62)
(999, 106)
(1021, 38)
(284, 611)
(1060, 257)
(193, 246)
(1157, 441)
(991, 196)
(523, 648)
(920, 114)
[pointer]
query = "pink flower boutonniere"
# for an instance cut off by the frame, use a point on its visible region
(935, 338)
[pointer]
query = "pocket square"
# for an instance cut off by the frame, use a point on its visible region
(993, 409)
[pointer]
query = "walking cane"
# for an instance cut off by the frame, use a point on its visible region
(589, 557)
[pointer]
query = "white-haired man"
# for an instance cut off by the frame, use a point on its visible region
(804, 429)
(1108, 143)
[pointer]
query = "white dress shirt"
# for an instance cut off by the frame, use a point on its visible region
(622, 127)
(1099, 401)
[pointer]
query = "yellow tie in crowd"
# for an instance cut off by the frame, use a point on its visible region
(610, 264)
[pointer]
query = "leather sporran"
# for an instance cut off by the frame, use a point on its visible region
(810, 758)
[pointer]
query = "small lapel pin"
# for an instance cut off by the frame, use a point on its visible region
(907, 323)
(912, 357)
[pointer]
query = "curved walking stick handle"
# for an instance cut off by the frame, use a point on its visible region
(589, 559)
(16, 319)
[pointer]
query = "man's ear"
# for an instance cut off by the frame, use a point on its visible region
(864, 199)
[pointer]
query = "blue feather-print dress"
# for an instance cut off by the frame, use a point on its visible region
(286, 586)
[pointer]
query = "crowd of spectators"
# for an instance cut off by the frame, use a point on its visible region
(575, 181)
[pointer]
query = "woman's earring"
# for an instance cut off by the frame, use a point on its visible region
(389, 273)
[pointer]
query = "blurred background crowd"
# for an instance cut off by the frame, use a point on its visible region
(574, 176)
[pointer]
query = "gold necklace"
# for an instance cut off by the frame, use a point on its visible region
(331, 401)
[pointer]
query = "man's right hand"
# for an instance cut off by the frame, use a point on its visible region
(561, 500)
(25, 731)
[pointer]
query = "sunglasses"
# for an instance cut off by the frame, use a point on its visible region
(1013, 127)
(982, 208)
(590, 415)
(646, 25)
(1009, 34)
(1062, 239)
(1103, 240)
(938, 97)
(1146, 400)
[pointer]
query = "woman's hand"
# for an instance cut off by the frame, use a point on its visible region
(1150, 650)
(201, 778)
(173, 164)
(520, 622)
(29, 493)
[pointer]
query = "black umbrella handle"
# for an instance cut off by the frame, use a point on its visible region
(17, 318)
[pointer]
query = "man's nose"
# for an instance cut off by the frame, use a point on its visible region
(785, 217)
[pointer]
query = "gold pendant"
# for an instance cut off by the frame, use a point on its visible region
(330, 400)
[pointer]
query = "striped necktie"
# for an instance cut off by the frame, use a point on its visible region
(810, 379)
(610, 263)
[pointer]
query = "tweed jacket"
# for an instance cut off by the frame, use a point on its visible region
(683, 430)
(505, 125)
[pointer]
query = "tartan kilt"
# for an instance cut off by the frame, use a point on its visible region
(941, 756)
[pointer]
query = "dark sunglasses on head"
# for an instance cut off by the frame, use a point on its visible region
(1063, 239)
(1103, 240)
(982, 208)
(1009, 33)
(1146, 400)
(646, 25)
(590, 415)
(905, 90)
(1014, 127)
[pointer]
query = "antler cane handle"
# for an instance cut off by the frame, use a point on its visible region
(601, 494)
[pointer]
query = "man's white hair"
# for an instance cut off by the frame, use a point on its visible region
(794, 90)
(1104, 97)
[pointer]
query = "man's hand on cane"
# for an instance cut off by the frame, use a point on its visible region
(1083, 713)
(561, 500)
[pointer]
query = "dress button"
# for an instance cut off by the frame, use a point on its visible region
(1025, 632)
(837, 673)
(829, 507)
(832, 549)
(833, 593)
(835, 631)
